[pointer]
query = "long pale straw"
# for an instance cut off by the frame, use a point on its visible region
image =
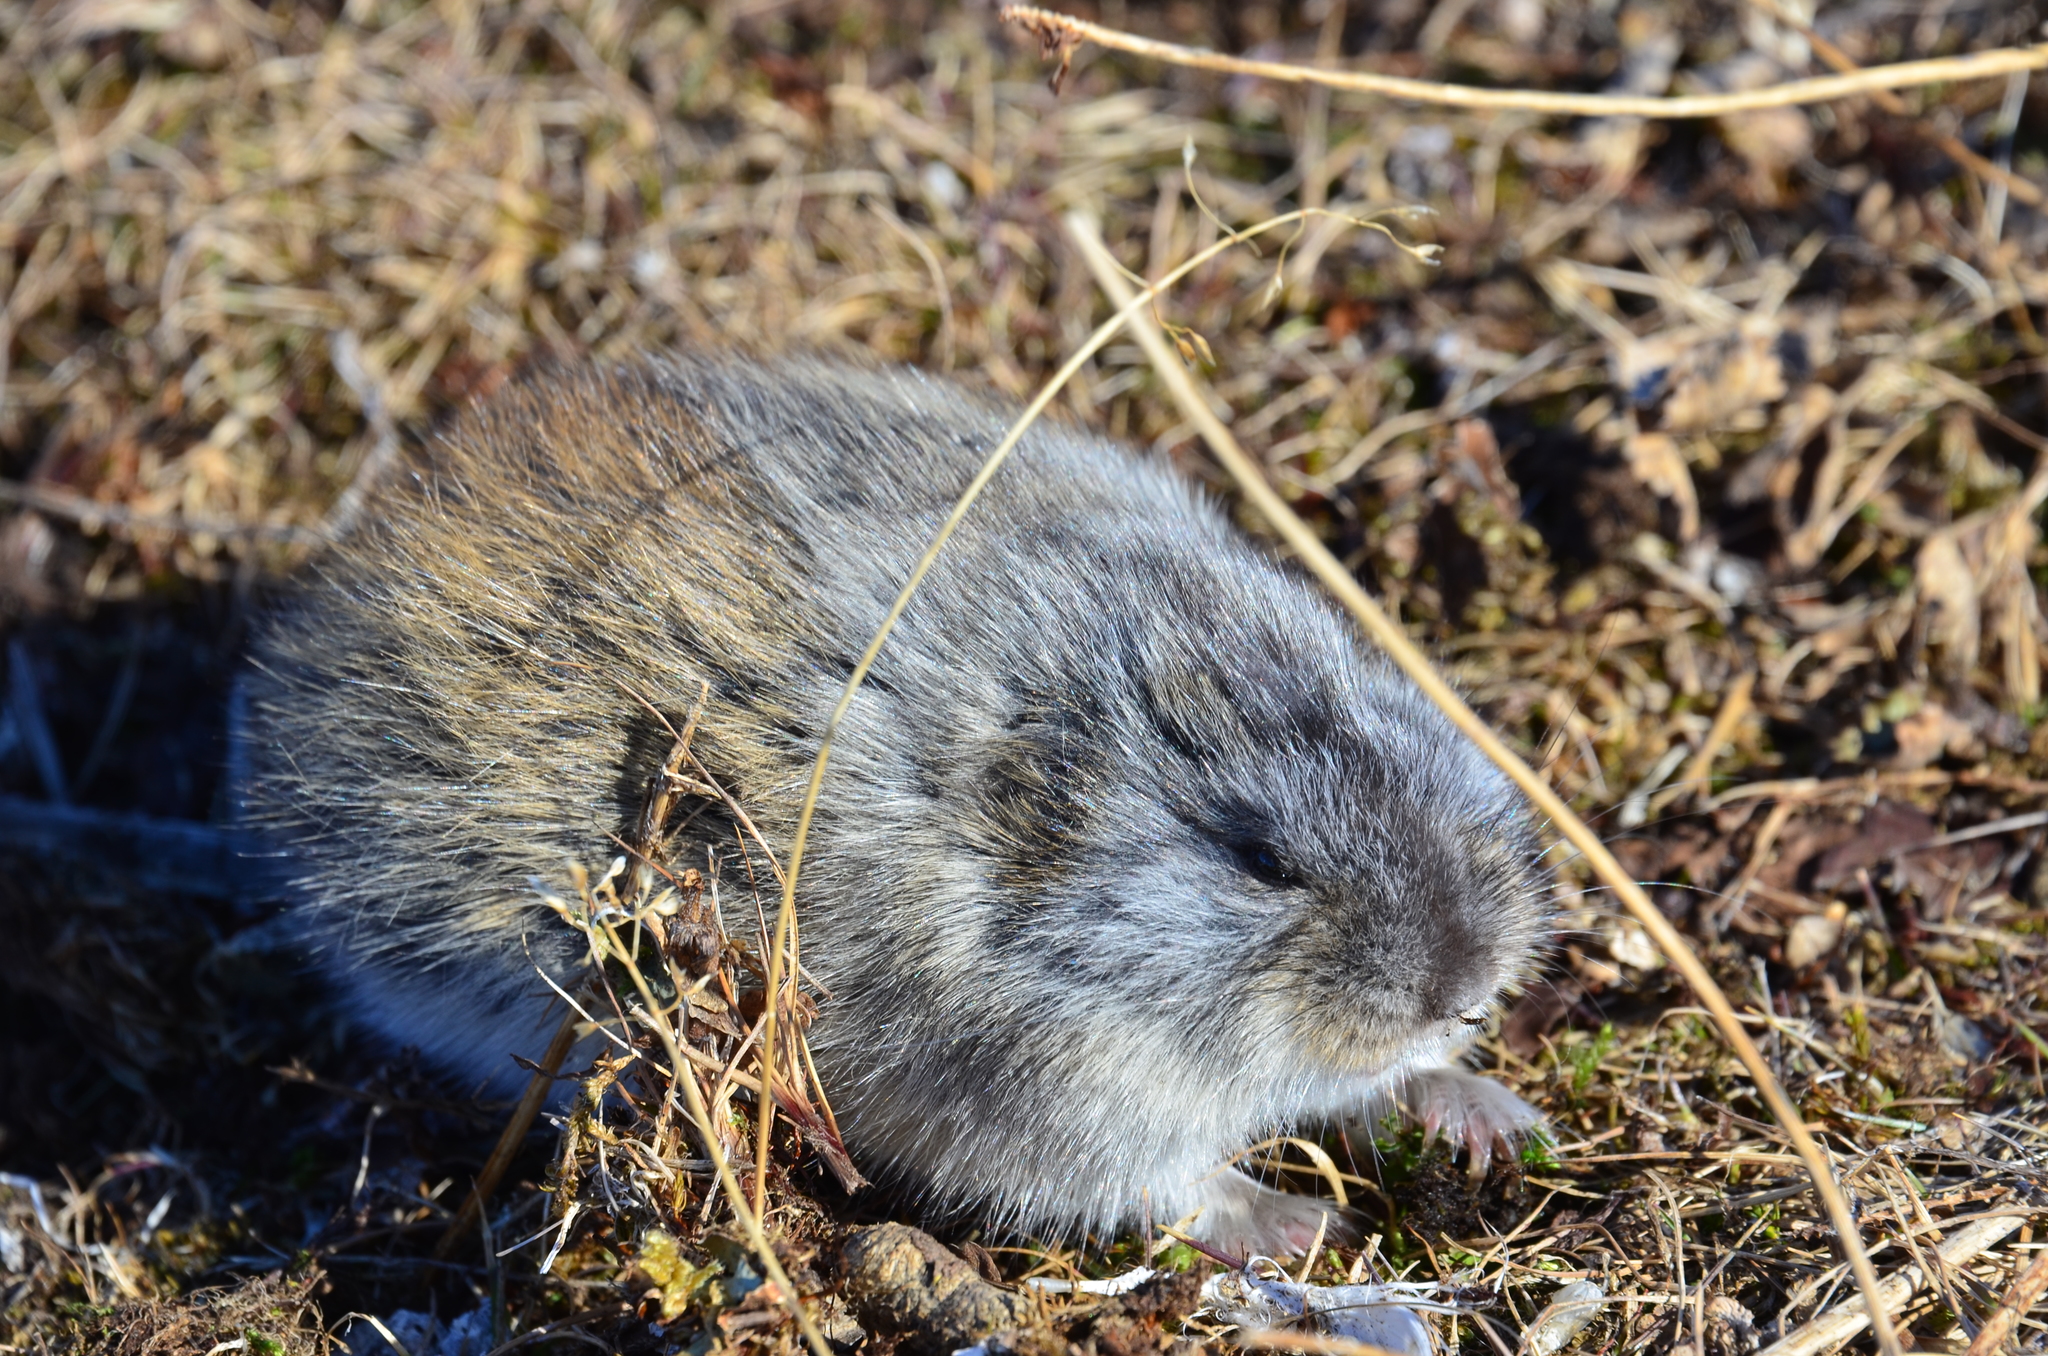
(1062, 32)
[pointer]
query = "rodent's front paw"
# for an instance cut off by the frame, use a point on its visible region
(1249, 1219)
(1469, 1109)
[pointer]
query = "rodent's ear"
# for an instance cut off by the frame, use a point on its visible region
(1191, 710)
(1037, 786)
(1233, 691)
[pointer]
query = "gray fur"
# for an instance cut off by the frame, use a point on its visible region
(1066, 984)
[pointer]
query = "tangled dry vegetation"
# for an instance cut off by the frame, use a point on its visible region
(1706, 461)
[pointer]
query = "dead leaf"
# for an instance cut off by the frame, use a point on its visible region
(1655, 460)
(1948, 602)
(1703, 378)
(1539, 1012)
(1725, 382)
(1772, 473)
(1929, 734)
(1962, 870)
(2004, 539)
(1473, 457)
(1886, 827)
(196, 33)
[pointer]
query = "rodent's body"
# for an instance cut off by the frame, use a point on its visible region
(1129, 854)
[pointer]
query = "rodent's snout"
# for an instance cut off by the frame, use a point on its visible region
(1414, 940)
(1427, 973)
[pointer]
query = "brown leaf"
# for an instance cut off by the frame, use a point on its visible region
(1887, 826)
(1473, 456)
(1932, 733)
(1964, 869)
(1722, 381)
(1704, 377)
(1655, 460)
(1538, 1013)
(1949, 614)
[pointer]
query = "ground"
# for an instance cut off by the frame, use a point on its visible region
(1707, 457)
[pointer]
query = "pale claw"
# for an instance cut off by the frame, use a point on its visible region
(1469, 1109)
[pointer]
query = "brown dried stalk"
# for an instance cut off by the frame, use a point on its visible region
(1061, 34)
(1391, 638)
(750, 1220)
(1991, 1337)
(92, 515)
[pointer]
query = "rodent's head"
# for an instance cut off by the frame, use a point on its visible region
(1225, 802)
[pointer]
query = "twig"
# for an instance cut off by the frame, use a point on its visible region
(1392, 639)
(34, 1191)
(1806, 789)
(1844, 1321)
(91, 513)
(560, 1325)
(785, 920)
(1734, 706)
(2017, 1301)
(1997, 826)
(1415, 421)
(2023, 189)
(158, 853)
(537, 1089)
(1062, 33)
(25, 700)
(345, 352)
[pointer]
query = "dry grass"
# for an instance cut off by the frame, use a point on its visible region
(1749, 406)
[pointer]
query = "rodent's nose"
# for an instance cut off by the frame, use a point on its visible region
(1459, 977)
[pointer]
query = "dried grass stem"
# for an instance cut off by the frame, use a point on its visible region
(1062, 33)
(1845, 1320)
(750, 1220)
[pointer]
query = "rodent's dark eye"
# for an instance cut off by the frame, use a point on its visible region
(1261, 861)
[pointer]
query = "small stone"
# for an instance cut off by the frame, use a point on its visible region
(903, 1279)
(1630, 945)
(1730, 1329)
(1964, 1039)
(1813, 936)
(1569, 1311)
